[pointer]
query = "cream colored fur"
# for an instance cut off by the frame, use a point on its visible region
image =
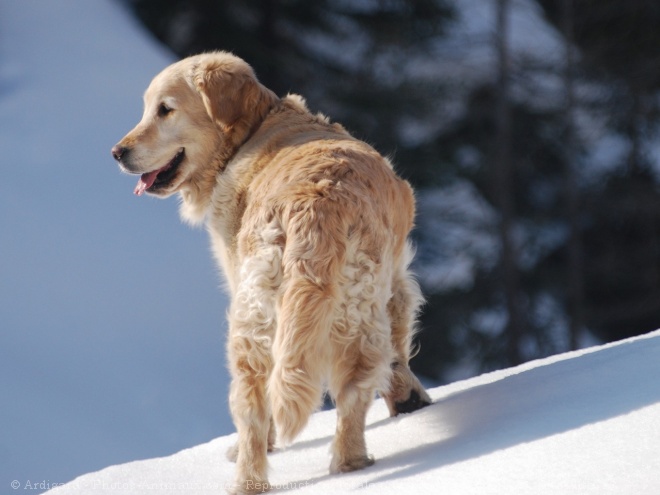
(310, 226)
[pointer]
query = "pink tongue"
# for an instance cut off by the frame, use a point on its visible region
(145, 182)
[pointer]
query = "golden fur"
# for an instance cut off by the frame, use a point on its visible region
(310, 226)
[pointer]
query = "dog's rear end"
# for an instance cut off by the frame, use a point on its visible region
(325, 279)
(311, 227)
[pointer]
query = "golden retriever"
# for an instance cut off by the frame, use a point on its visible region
(310, 226)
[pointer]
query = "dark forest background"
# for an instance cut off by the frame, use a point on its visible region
(534, 150)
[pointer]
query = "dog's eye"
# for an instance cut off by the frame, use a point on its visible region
(164, 110)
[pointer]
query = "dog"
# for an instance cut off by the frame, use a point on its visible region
(311, 228)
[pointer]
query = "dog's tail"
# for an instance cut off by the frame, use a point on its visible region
(295, 388)
(312, 263)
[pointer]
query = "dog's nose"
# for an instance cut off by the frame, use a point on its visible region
(118, 152)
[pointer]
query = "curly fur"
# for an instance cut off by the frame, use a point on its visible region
(310, 226)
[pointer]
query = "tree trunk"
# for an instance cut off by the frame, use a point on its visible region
(575, 279)
(504, 193)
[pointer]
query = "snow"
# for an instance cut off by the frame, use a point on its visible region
(584, 422)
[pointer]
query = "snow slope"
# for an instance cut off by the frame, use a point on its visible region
(586, 422)
(111, 316)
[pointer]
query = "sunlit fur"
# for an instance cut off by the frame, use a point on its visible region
(310, 226)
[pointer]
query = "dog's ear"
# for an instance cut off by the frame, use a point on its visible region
(230, 90)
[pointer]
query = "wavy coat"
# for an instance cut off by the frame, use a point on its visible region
(310, 227)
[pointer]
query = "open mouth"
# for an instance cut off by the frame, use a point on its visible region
(152, 181)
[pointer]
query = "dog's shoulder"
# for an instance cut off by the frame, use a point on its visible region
(293, 121)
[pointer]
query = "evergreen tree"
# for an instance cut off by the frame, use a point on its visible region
(523, 242)
(347, 58)
(619, 46)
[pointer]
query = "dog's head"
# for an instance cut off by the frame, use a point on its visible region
(197, 112)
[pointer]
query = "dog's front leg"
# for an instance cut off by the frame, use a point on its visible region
(406, 394)
(251, 414)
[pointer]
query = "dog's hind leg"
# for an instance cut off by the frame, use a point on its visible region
(360, 367)
(405, 393)
(249, 408)
(252, 321)
(362, 353)
(232, 452)
(349, 449)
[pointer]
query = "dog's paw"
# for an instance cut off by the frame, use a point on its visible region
(406, 393)
(249, 487)
(347, 465)
(412, 403)
(232, 453)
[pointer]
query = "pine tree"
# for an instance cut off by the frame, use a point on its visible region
(544, 245)
(618, 43)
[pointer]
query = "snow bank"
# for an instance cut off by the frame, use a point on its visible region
(585, 422)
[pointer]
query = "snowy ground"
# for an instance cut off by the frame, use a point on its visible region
(583, 423)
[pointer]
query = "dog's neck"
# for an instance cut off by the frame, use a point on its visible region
(196, 196)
